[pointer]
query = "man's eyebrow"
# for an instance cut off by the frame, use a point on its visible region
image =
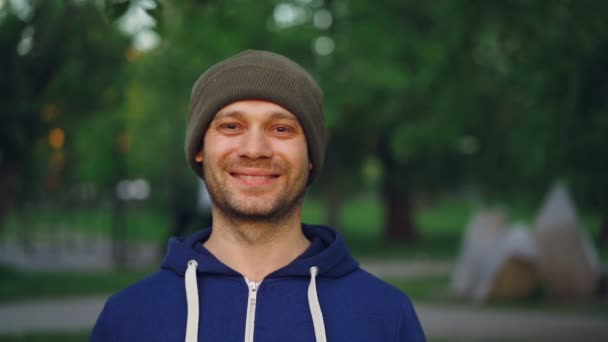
(283, 115)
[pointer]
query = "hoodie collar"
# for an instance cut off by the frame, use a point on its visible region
(327, 251)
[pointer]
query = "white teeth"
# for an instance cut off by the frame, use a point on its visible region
(254, 177)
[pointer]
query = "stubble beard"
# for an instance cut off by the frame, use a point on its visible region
(270, 211)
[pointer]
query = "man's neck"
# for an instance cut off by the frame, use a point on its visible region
(256, 249)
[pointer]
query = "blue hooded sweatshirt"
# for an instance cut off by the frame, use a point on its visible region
(322, 295)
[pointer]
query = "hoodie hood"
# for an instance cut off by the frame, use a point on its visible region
(328, 252)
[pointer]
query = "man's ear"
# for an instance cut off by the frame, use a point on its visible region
(199, 156)
(309, 166)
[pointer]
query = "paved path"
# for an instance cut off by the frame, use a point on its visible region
(50, 315)
(490, 325)
(79, 314)
(407, 269)
(72, 251)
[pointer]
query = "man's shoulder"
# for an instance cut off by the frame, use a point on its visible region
(362, 297)
(144, 304)
(361, 288)
(362, 280)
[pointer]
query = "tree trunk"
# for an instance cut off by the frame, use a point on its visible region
(8, 186)
(334, 207)
(398, 207)
(119, 234)
(119, 205)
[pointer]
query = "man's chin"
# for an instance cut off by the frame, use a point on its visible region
(255, 216)
(256, 212)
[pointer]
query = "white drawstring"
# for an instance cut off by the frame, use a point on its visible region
(192, 299)
(315, 308)
(193, 315)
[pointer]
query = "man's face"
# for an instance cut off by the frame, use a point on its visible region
(255, 161)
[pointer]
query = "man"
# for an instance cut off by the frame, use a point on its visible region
(256, 135)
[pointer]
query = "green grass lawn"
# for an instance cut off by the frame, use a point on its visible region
(362, 217)
(440, 228)
(47, 337)
(440, 225)
(15, 286)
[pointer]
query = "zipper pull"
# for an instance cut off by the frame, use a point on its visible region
(254, 287)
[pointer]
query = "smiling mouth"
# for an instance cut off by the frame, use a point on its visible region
(254, 179)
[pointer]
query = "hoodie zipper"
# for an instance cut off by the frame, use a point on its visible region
(251, 302)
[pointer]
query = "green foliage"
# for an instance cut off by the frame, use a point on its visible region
(535, 69)
(94, 144)
(115, 9)
(62, 65)
(503, 96)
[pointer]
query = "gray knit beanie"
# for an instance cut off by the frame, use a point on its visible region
(257, 75)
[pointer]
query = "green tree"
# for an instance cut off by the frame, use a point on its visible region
(398, 68)
(550, 75)
(477, 92)
(61, 63)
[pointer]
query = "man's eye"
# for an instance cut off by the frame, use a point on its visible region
(229, 126)
(282, 129)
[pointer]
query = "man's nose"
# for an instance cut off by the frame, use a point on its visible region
(255, 144)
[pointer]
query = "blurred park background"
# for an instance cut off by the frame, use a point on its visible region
(439, 113)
